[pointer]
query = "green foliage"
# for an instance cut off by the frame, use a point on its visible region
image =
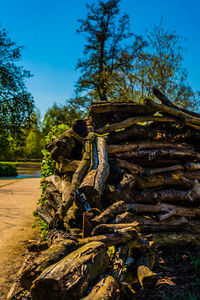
(7, 170)
(105, 51)
(47, 169)
(16, 104)
(62, 114)
(42, 226)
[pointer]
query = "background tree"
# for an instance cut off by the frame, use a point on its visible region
(160, 64)
(16, 103)
(105, 51)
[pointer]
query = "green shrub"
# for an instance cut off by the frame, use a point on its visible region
(7, 170)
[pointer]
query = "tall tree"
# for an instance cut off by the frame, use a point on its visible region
(16, 103)
(160, 64)
(105, 51)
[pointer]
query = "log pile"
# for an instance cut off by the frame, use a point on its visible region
(127, 169)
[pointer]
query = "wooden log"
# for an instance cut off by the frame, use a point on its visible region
(146, 277)
(68, 145)
(146, 145)
(187, 119)
(79, 174)
(175, 239)
(48, 257)
(106, 289)
(132, 121)
(167, 102)
(176, 179)
(122, 235)
(125, 217)
(94, 182)
(66, 165)
(174, 224)
(127, 165)
(45, 213)
(192, 166)
(173, 196)
(156, 154)
(161, 132)
(164, 170)
(111, 107)
(112, 211)
(57, 281)
(110, 228)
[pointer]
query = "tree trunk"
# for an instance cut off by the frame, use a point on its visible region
(106, 289)
(57, 281)
(93, 184)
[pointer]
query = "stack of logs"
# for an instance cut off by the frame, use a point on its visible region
(126, 169)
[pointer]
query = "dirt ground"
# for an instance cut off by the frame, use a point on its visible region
(18, 199)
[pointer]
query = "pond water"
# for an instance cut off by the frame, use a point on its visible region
(25, 172)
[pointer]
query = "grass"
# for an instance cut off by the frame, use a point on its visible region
(20, 162)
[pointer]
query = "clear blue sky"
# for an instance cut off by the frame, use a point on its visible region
(47, 30)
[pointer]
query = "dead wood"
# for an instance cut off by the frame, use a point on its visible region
(93, 184)
(107, 289)
(57, 281)
(65, 165)
(110, 228)
(146, 277)
(167, 102)
(127, 165)
(112, 211)
(132, 121)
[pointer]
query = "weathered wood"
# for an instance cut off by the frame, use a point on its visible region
(93, 184)
(176, 179)
(173, 196)
(167, 102)
(150, 225)
(156, 154)
(57, 281)
(106, 289)
(45, 213)
(66, 165)
(164, 132)
(187, 119)
(132, 121)
(48, 257)
(146, 277)
(110, 228)
(112, 211)
(192, 166)
(164, 170)
(127, 165)
(146, 145)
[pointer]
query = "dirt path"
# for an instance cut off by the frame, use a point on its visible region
(18, 199)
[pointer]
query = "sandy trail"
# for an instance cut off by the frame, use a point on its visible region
(18, 199)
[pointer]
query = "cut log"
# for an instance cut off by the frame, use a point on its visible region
(176, 179)
(187, 119)
(175, 224)
(110, 228)
(66, 165)
(146, 277)
(173, 196)
(164, 170)
(156, 154)
(146, 145)
(167, 102)
(127, 165)
(132, 121)
(93, 184)
(162, 132)
(52, 255)
(112, 211)
(79, 174)
(125, 217)
(57, 281)
(106, 289)
(67, 145)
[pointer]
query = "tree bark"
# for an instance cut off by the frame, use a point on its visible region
(110, 228)
(66, 165)
(106, 289)
(127, 165)
(93, 184)
(146, 277)
(57, 281)
(132, 121)
(112, 211)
